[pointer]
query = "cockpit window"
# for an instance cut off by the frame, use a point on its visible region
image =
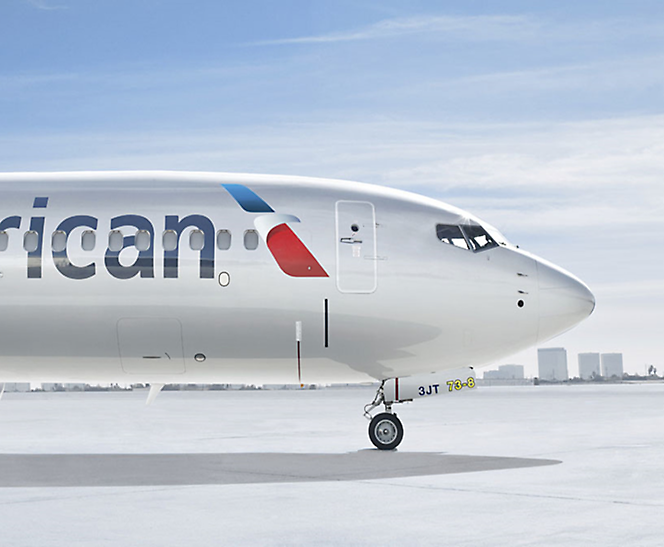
(478, 237)
(495, 234)
(449, 233)
(472, 237)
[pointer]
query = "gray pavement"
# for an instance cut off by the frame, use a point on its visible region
(296, 468)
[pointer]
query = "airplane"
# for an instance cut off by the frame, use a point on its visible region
(164, 277)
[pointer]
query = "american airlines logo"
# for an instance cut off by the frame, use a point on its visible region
(287, 249)
(290, 253)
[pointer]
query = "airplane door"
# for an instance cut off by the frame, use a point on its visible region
(151, 345)
(356, 247)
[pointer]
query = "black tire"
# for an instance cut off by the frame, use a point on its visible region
(385, 431)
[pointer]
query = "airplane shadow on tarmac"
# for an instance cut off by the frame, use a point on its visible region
(95, 470)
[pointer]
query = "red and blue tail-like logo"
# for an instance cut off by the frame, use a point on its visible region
(290, 253)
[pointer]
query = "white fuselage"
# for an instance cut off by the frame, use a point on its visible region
(370, 292)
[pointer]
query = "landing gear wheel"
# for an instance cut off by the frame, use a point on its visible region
(385, 431)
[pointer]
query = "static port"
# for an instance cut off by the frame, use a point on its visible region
(200, 357)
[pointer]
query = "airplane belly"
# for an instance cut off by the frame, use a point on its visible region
(45, 344)
(250, 335)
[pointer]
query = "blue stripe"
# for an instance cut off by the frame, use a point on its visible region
(247, 199)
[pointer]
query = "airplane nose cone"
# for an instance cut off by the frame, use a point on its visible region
(564, 301)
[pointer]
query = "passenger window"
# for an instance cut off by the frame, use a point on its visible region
(88, 240)
(30, 241)
(478, 237)
(170, 240)
(4, 241)
(251, 240)
(196, 240)
(142, 240)
(115, 241)
(223, 240)
(59, 241)
(451, 234)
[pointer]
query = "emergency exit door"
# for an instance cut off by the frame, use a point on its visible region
(356, 247)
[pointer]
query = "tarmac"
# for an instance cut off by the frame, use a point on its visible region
(522, 465)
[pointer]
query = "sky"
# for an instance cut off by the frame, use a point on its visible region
(546, 119)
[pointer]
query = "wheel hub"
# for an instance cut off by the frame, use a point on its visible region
(386, 432)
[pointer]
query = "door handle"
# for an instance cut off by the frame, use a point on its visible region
(350, 240)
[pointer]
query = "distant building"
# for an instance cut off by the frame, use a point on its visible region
(612, 365)
(505, 372)
(511, 372)
(62, 387)
(552, 363)
(588, 365)
(17, 387)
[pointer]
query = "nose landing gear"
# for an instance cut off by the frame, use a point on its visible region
(385, 429)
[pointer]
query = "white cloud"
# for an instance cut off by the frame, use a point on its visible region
(611, 73)
(131, 76)
(488, 28)
(617, 154)
(480, 27)
(627, 290)
(590, 154)
(43, 5)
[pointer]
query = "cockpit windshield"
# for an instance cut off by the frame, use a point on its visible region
(470, 236)
(451, 234)
(478, 237)
(495, 234)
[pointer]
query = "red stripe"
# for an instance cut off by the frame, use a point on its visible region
(396, 389)
(291, 254)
